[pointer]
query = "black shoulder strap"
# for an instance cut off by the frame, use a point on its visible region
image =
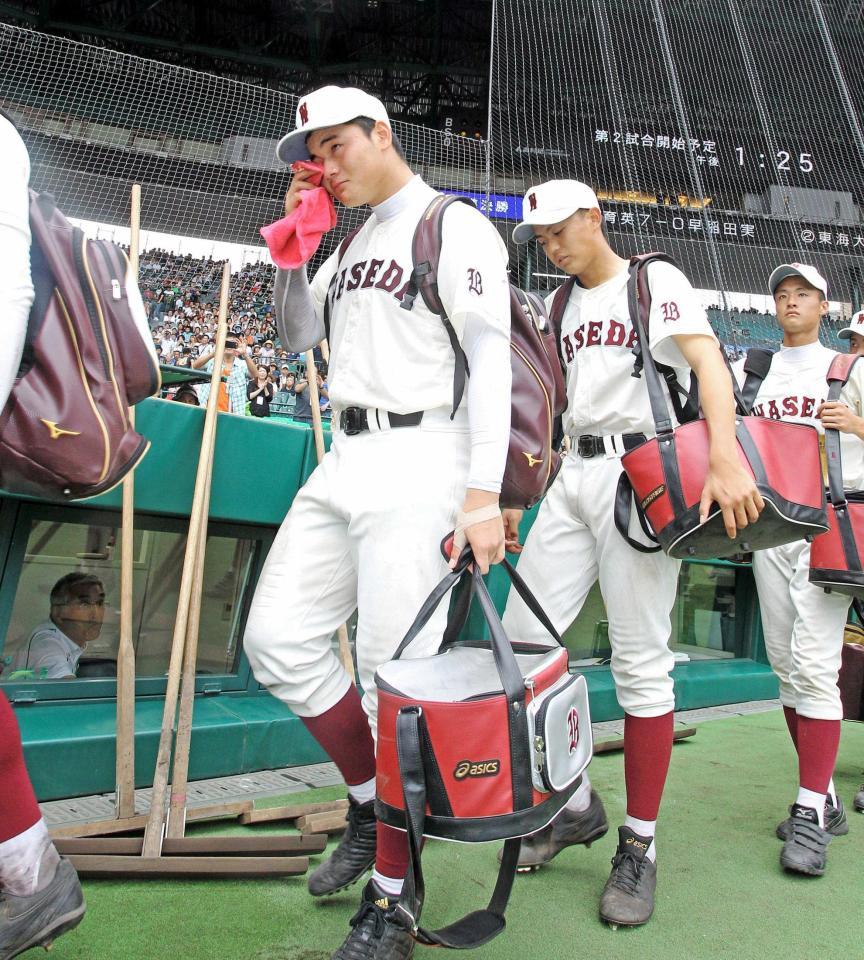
(343, 249)
(756, 367)
(838, 374)
(426, 256)
(685, 405)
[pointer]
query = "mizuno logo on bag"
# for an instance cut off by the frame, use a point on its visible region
(532, 461)
(484, 768)
(653, 495)
(57, 432)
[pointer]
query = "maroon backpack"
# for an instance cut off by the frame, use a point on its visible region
(65, 432)
(539, 394)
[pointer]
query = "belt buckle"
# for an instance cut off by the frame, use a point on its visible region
(585, 446)
(353, 421)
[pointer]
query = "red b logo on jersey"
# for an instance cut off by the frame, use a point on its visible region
(532, 201)
(303, 110)
(671, 311)
(572, 729)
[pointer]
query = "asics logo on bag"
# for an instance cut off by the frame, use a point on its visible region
(481, 768)
(572, 729)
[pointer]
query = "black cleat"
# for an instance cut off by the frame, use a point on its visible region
(835, 822)
(628, 897)
(354, 856)
(806, 849)
(566, 830)
(858, 802)
(374, 933)
(37, 920)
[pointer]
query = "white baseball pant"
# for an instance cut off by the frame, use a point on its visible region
(363, 533)
(573, 542)
(803, 629)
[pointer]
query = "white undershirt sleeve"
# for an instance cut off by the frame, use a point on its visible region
(300, 306)
(15, 279)
(487, 348)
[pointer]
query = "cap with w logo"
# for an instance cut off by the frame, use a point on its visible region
(327, 107)
(552, 202)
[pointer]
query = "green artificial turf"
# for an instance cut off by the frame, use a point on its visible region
(721, 892)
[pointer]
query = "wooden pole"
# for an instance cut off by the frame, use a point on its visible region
(124, 791)
(182, 742)
(318, 430)
(154, 832)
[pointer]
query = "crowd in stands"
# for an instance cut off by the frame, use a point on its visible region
(181, 296)
(261, 377)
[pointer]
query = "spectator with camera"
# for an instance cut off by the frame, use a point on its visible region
(232, 388)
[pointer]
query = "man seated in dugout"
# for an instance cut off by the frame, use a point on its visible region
(54, 648)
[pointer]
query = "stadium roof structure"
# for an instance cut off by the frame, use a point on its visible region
(427, 59)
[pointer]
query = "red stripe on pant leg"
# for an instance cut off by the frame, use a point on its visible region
(647, 749)
(792, 723)
(18, 807)
(343, 731)
(818, 741)
(391, 853)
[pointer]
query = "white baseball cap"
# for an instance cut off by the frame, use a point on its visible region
(327, 107)
(804, 270)
(856, 325)
(552, 202)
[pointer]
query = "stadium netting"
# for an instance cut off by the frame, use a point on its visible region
(95, 121)
(726, 133)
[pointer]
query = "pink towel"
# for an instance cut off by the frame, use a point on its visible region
(293, 240)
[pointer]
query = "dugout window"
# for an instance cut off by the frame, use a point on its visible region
(48, 542)
(712, 618)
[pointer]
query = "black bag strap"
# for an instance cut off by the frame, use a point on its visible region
(757, 364)
(685, 404)
(556, 312)
(426, 257)
(622, 511)
(463, 575)
(478, 927)
(342, 250)
(838, 374)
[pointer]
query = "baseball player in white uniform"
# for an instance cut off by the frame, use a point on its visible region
(364, 531)
(574, 540)
(854, 333)
(803, 625)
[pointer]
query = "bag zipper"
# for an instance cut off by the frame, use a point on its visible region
(105, 435)
(539, 724)
(539, 379)
(78, 241)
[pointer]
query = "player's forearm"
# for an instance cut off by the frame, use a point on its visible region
(297, 320)
(718, 404)
(488, 352)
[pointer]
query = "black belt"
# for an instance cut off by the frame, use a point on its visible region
(354, 420)
(587, 446)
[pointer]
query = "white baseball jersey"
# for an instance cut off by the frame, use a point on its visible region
(399, 360)
(796, 386)
(597, 340)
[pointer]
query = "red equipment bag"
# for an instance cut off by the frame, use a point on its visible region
(65, 432)
(666, 474)
(835, 557)
(484, 741)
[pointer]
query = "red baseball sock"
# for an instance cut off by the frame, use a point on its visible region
(391, 853)
(18, 808)
(343, 731)
(792, 723)
(647, 749)
(818, 741)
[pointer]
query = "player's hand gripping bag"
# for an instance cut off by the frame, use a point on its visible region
(835, 556)
(484, 741)
(666, 474)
